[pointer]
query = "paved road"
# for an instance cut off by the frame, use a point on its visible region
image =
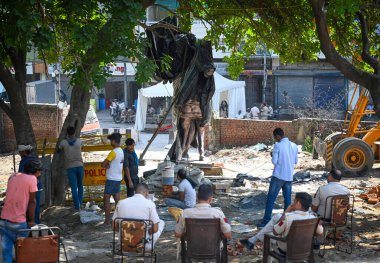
(107, 122)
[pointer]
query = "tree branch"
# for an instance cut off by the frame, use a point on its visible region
(366, 56)
(350, 71)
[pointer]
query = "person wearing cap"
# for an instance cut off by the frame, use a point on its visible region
(26, 154)
(114, 165)
(72, 149)
(203, 210)
(332, 188)
(131, 167)
(19, 206)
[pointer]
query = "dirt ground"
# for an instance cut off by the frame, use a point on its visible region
(93, 242)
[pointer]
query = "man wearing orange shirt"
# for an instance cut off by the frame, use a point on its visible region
(19, 206)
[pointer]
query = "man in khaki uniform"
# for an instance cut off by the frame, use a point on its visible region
(332, 188)
(203, 210)
(279, 225)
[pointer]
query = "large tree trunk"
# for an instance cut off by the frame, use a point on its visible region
(80, 100)
(17, 109)
(22, 125)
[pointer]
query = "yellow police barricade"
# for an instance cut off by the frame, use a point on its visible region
(94, 181)
(94, 174)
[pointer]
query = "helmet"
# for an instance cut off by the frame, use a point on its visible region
(32, 166)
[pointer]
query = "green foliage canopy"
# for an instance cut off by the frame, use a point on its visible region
(287, 27)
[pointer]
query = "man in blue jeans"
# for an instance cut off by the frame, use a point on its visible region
(72, 148)
(284, 158)
(19, 207)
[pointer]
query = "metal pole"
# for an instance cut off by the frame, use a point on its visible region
(125, 85)
(265, 73)
(59, 80)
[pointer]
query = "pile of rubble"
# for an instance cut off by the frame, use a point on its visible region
(372, 196)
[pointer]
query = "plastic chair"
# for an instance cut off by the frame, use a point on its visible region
(340, 216)
(202, 241)
(133, 239)
(42, 245)
(176, 213)
(299, 242)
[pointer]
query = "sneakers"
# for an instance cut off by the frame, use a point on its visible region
(247, 244)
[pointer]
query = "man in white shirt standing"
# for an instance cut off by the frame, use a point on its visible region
(264, 111)
(284, 158)
(187, 196)
(114, 165)
(141, 208)
(255, 113)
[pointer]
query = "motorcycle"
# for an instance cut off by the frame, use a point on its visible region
(126, 115)
(117, 112)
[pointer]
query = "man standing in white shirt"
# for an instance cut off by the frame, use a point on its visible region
(284, 158)
(187, 196)
(114, 165)
(141, 208)
(255, 113)
(264, 111)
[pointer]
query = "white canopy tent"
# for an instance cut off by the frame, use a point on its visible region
(158, 90)
(235, 97)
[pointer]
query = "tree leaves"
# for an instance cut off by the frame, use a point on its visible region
(286, 27)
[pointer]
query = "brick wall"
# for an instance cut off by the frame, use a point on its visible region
(235, 132)
(46, 121)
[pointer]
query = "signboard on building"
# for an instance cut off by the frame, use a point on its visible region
(117, 69)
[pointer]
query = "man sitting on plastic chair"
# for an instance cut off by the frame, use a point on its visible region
(279, 225)
(140, 207)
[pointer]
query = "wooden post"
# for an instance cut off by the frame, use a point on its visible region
(142, 162)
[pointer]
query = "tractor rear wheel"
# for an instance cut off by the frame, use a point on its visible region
(353, 157)
(335, 137)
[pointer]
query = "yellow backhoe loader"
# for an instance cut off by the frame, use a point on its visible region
(354, 149)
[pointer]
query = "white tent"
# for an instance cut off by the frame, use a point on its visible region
(234, 89)
(158, 90)
(235, 97)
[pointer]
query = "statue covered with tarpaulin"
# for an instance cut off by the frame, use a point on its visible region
(191, 71)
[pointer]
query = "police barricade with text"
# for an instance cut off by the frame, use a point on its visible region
(94, 180)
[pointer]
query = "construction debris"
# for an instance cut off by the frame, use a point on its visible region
(195, 174)
(372, 196)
